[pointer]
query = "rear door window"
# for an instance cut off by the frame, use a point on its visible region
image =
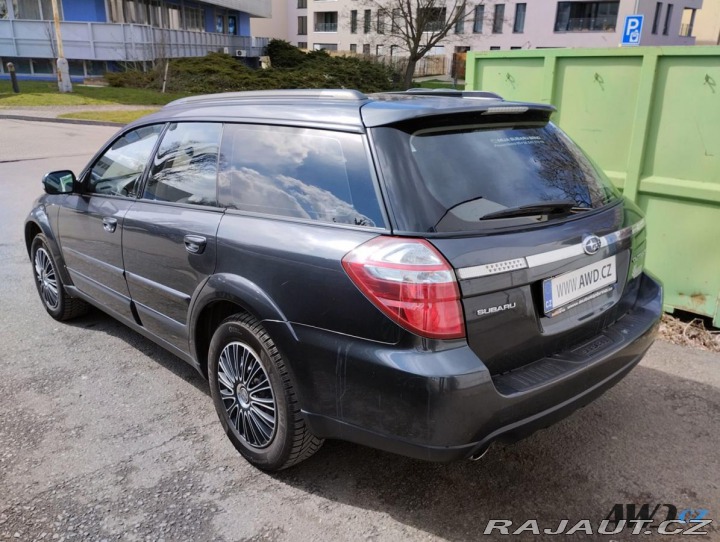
(448, 178)
(302, 173)
(185, 167)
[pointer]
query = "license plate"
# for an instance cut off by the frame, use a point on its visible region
(579, 284)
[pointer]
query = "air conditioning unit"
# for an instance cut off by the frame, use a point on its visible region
(240, 52)
(226, 50)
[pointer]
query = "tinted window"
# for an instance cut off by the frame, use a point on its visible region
(185, 168)
(298, 172)
(117, 172)
(459, 174)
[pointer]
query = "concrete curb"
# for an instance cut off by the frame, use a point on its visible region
(61, 121)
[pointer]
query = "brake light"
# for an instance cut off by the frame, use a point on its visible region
(411, 282)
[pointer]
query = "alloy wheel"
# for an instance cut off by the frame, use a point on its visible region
(46, 279)
(247, 395)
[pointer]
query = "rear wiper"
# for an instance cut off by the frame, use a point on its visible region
(544, 208)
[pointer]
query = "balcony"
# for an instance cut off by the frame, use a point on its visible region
(326, 27)
(587, 24)
(119, 42)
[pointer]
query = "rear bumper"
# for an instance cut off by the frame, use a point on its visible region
(440, 403)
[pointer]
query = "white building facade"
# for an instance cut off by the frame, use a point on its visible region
(363, 27)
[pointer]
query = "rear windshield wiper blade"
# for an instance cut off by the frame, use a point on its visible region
(544, 208)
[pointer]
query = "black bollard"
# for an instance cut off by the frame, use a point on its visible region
(13, 77)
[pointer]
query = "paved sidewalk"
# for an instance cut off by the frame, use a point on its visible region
(51, 113)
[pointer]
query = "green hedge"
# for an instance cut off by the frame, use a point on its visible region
(292, 68)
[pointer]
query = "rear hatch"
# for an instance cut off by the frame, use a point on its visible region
(546, 251)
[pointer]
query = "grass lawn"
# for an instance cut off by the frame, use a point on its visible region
(42, 93)
(437, 83)
(123, 117)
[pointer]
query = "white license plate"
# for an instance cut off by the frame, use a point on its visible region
(568, 287)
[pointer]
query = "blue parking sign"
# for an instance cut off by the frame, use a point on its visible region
(632, 30)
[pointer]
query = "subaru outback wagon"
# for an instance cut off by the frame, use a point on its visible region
(423, 273)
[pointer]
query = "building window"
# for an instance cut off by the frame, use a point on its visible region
(353, 47)
(302, 45)
(367, 21)
(194, 19)
(381, 21)
(395, 22)
(379, 50)
(515, 48)
(435, 18)
(326, 21)
(495, 48)
(460, 25)
(37, 10)
(498, 18)
(586, 16)
(366, 49)
(325, 47)
(302, 25)
(519, 26)
(656, 18)
(353, 21)
(479, 18)
(232, 25)
(688, 22)
(302, 4)
(668, 19)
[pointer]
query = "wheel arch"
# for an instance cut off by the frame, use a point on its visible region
(221, 296)
(39, 223)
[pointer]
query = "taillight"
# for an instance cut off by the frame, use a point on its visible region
(410, 281)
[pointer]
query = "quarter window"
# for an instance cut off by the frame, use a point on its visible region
(297, 172)
(185, 168)
(118, 171)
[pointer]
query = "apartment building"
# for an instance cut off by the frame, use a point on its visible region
(99, 34)
(706, 25)
(363, 26)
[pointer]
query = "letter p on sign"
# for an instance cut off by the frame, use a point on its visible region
(632, 30)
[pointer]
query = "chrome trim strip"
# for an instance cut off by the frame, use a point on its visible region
(545, 258)
(492, 268)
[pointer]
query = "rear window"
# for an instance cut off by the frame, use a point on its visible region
(449, 178)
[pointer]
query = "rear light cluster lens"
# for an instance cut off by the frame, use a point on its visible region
(410, 281)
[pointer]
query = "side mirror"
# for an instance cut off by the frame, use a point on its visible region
(59, 182)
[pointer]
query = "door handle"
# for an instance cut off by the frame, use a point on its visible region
(195, 244)
(109, 224)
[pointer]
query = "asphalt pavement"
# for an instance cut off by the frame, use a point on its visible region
(105, 436)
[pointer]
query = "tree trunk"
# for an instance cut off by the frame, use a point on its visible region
(409, 71)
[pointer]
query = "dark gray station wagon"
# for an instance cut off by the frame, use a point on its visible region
(423, 273)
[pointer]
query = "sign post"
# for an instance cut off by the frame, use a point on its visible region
(632, 31)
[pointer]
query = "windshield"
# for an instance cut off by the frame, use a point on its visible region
(449, 178)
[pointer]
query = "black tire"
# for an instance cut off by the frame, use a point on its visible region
(247, 374)
(57, 302)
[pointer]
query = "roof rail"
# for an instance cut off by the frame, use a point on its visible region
(328, 94)
(453, 93)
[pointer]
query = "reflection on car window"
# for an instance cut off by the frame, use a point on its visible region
(297, 172)
(185, 168)
(117, 172)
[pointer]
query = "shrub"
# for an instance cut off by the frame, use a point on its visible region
(218, 72)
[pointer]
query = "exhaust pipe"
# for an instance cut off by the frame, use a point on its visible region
(477, 456)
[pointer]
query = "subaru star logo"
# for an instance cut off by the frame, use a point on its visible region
(591, 244)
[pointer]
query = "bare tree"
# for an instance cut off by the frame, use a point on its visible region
(417, 26)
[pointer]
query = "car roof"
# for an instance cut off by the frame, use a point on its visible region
(341, 109)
